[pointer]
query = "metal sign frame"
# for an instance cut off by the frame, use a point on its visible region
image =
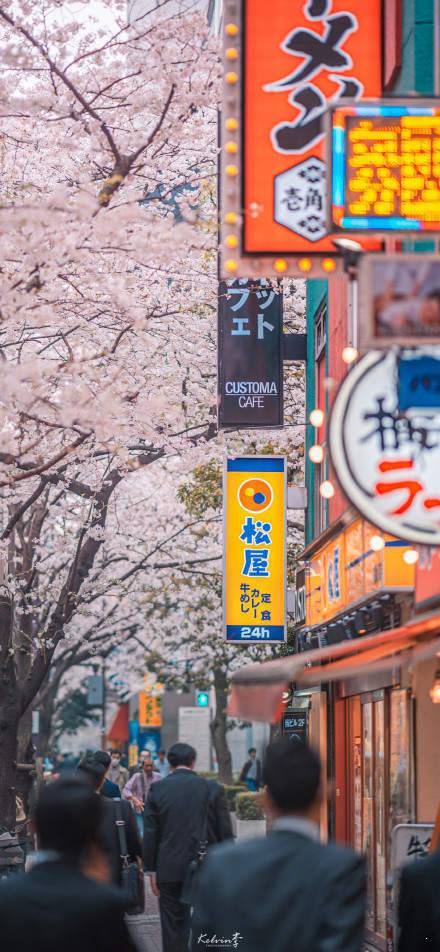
(369, 338)
(252, 460)
(336, 195)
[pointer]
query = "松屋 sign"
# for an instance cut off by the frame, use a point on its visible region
(388, 461)
(385, 167)
(250, 366)
(284, 64)
(254, 570)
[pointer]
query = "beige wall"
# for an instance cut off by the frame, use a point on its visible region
(427, 743)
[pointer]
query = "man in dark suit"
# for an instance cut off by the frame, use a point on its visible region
(55, 906)
(288, 891)
(419, 906)
(183, 812)
(112, 812)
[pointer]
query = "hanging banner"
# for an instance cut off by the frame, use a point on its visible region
(386, 461)
(385, 167)
(399, 299)
(283, 65)
(150, 710)
(250, 364)
(254, 567)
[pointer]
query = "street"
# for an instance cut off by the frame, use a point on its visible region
(146, 929)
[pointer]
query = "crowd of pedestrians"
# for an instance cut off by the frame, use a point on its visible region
(286, 892)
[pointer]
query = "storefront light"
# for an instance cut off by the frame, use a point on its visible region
(435, 690)
(349, 355)
(377, 543)
(411, 556)
(316, 454)
(326, 489)
(317, 417)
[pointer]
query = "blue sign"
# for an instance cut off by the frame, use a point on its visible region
(418, 384)
(149, 739)
(202, 699)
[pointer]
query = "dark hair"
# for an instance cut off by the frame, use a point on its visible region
(252, 750)
(162, 751)
(93, 771)
(181, 755)
(67, 816)
(292, 774)
(101, 757)
(116, 751)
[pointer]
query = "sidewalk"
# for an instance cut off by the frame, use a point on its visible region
(145, 929)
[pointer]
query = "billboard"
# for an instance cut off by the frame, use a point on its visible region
(284, 65)
(385, 167)
(399, 298)
(254, 567)
(387, 461)
(250, 360)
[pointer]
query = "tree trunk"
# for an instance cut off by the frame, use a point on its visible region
(219, 727)
(9, 717)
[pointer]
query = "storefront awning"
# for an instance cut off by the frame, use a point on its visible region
(118, 732)
(257, 688)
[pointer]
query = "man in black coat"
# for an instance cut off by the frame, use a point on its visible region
(182, 813)
(287, 892)
(55, 906)
(419, 906)
(112, 812)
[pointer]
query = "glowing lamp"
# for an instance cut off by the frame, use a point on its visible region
(305, 264)
(231, 29)
(328, 265)
(231, 78)
(349, 355)
(231, 218)
(231, 170)
(316, 453)
(317, 417)
(326, 489)
(231, 265)
(411, 556)
(231, 53)
(377, 543)
(280, 265)
(231, 241)
(231, 147)
(231, 124)
(434, 691)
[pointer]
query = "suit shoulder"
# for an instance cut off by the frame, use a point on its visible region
(424, 870)
(340, 857)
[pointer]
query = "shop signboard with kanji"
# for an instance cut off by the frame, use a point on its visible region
(385, 167)
(250, 366)
(254, 567)
(399, 298)
(284, 64)
(150, 709)
(384, 439)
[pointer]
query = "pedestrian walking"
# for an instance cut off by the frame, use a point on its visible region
(251, 772)
(137, 788)
(161, 764)
(109, 788)
(287, 891)
(117, 774)
(184, 814)
(419, 906)
(113, 813)
(56, 906)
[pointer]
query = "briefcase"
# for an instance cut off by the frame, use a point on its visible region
(132, 876)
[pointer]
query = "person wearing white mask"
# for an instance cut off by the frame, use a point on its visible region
(116, 772)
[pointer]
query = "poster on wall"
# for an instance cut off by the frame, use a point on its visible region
(399, 300)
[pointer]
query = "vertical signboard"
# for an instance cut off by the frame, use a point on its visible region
(254, 570)
(287, 62)
(250, 368)
(150, 710)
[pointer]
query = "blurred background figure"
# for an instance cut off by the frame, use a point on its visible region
(419, 906)
(112, 812)
(137, 788)
(56, 906)
(161, 764)
(117, 774)
(109, 788)
(288, 891)
(251, 772)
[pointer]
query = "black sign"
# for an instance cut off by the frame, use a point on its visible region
(299, 598)
(250, 371)
(296, 725)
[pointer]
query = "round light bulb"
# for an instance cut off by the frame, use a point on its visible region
(231, 78)
(349, 355)
(231, 265)
(411, 556)
(231, 124)
(231, 218)
(231, 29)
(304, 264)
(280, 265)
(317, 417)
(326, 489)
(231, 241)
(231, 53)
(231, 170)
(328, 265)
(231, 148)
(377, 543)
(316, 453)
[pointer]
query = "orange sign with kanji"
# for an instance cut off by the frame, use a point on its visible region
(299, 56)
(150, 710)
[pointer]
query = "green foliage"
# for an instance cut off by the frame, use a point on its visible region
(203, 491)
(74, 713)
(248, 806)
(232, 790)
